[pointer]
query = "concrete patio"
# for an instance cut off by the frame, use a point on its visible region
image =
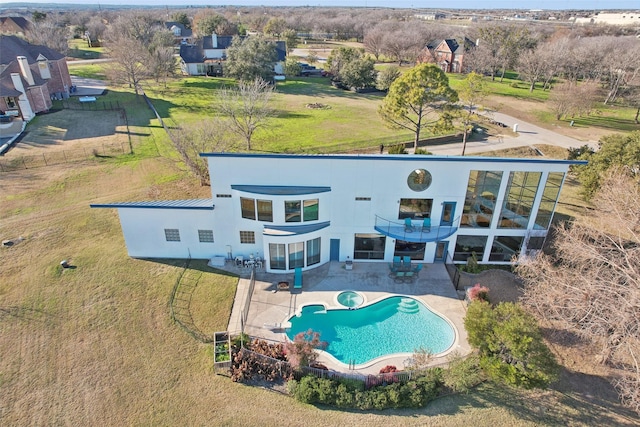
(271, 307)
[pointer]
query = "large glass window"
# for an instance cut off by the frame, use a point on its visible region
(296, 255)
(519, 198)
(265, 210)
(277, 257)
(310, 210)
(313, 251)
(415, 208)
(482, 192)
(467, 246)
(505, 247)
(292, 211)
(549, 198)
(535, 243)
(369, 246)
(248, 208)
(412, 249)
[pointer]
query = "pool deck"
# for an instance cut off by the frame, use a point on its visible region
(271, 308)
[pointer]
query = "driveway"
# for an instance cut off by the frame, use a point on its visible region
(526, 134)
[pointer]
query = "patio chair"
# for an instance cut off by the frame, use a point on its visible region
(399, 276)
(408, 226)
(426, 225)
(297, 278)
(239, 261)
(397, 263)
(417, 269)
(406, 261)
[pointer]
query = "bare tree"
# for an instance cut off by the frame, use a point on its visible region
(531, 67)
(591, 281)
(472, 92)
(570, 100)
(374, 41)
(203, 137)
(48, 33)
(129, 62)
(247, 107)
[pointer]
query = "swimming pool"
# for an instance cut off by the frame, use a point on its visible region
(397, 324)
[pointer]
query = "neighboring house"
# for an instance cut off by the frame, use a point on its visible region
(207, 56)
(14, 25)
(306, 210)
(448, 54)
(30, 76)
(181, 34)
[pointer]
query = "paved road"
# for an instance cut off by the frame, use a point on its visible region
(527, 134)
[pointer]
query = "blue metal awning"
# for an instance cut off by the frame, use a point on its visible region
(280, 190)
(292, 230)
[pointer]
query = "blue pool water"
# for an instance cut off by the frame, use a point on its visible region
(396, 324)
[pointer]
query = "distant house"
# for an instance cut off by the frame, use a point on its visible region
(14, 25)
(30, 77)
(207, 56)
(448, 54)
(181, 34)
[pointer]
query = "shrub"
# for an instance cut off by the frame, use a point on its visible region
(306, 390)
(397, 149)
(479, 293)
(462, 374)
(300, 352)
(388, 368)
(413, 394)
(422, 151)
(510, 345)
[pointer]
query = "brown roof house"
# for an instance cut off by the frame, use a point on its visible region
(15, 25)
(448, 54)
(31, 77)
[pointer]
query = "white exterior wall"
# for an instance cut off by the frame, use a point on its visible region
(383, 179)
(214, 53)
(143, 230)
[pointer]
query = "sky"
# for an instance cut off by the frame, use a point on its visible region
(595, 5)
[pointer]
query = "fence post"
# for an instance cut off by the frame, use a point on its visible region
(45, 159)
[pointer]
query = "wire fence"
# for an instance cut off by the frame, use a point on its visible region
(95, 153)
(75, 104)
(247, 302)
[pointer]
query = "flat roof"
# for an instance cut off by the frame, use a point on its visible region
(202, 204)
(395, 157)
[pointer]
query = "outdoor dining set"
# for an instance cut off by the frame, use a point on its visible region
(401, 269)
(251, 262)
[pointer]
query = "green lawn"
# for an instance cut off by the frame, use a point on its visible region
(347, 121)
(78, 49)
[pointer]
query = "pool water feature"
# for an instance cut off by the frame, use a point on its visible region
(350, 299)
(397, 324)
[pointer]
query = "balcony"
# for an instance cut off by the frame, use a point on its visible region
(398, 230)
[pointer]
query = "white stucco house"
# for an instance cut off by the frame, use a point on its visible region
(306, 210)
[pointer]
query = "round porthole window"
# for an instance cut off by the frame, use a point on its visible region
(419, 180)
